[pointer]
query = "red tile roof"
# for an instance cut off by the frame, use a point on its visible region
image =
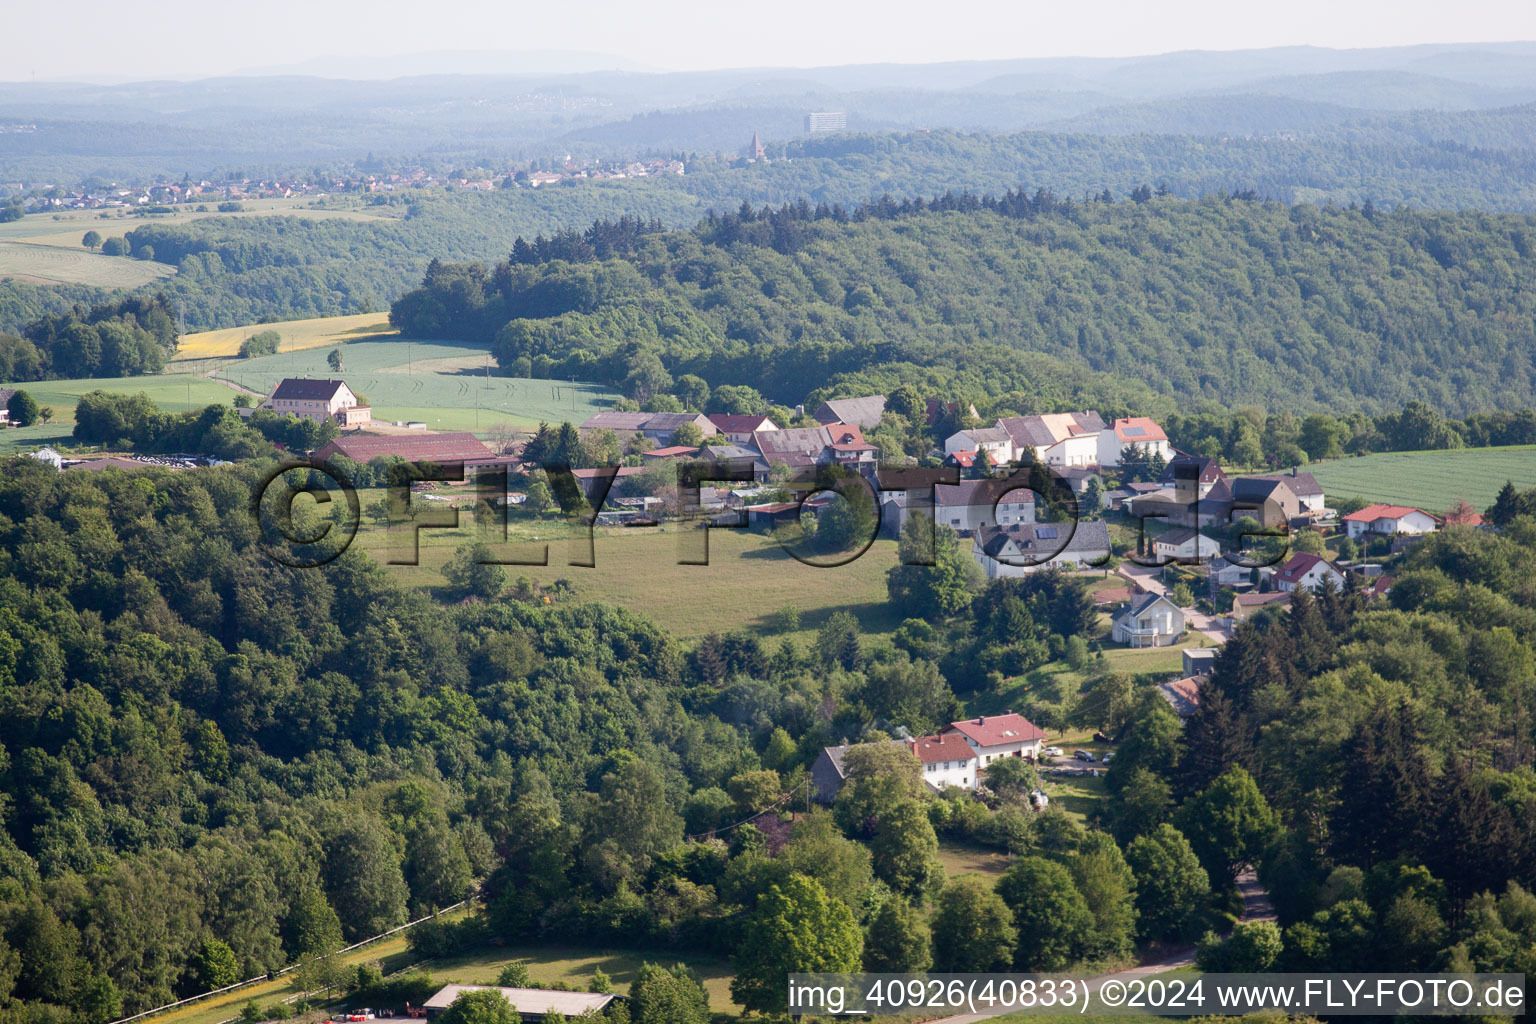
(998, 730)
(667, 453)
(947, 746)
(1138, 430)
(1299, 565)
(1371, 513)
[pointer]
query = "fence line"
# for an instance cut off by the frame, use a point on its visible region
(286, 970)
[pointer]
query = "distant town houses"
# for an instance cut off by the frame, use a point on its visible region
(864, 411)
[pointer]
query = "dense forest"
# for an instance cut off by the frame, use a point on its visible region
(1226, 300)
(215, 765)
(280, 268)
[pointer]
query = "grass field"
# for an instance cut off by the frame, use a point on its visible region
(173, 392)
(67, 226)
(962, 858)
(437, 383)
(575, 965)
(1428, 480)
(52, 264)
(747, 579)
(296, 335)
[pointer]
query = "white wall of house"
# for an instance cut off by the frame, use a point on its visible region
(961, 773)
(1082, 450)
(1111, 446)
(1010, 509)
(1157, 626)
(1411, 524)
(986, 755)
(994, 569)
(1312, 579)
(1197, 546)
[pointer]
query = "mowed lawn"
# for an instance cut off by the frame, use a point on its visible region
(1428, 480)
(577, 965)
(296, 335)
(444, 385)
(53, 264)
(748, 578)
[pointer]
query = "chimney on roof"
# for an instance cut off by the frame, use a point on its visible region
(982, 720)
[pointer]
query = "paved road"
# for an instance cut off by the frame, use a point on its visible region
(1257, 906)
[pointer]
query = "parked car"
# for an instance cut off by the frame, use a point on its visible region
(1054, 752)
(1107, 757)
(1085, 755)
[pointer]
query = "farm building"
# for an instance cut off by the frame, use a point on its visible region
(318, 400)
(449, 449)
(531, 1004)
(658, 426)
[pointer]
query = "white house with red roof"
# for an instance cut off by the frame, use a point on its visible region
(1390, 519)
(1142, 431)
(1308, 572)
(948, 760)
(995, 736)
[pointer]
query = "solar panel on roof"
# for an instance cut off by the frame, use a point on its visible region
(1135, 431)
(1046, 533)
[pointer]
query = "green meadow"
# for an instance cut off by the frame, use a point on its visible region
(1428, 480)
(447, 386)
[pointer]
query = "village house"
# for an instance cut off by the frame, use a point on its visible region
(1390, 520)
(1267, 500)
(828, 773)
(5, 411)
(969, 505)
(864, 412)
(1192, 476)
(658, 426)
(995, 441)
(1023, 548)
(1134, 431)
(1185, 545)
(739, 429)
(318, 400)
(1309, 493)
(995, 736)
(801, 448)
(1057, 439)
(1151, 620)
(1183, 695)
(1245, 606)
(947, 760)
(1309, 572)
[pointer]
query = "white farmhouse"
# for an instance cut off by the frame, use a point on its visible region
(947, 760)
(995, 736)
(1400, 520)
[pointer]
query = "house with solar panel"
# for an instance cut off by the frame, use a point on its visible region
(1140, 431)
(1019, 549)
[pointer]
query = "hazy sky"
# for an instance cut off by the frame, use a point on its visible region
(96, 38)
